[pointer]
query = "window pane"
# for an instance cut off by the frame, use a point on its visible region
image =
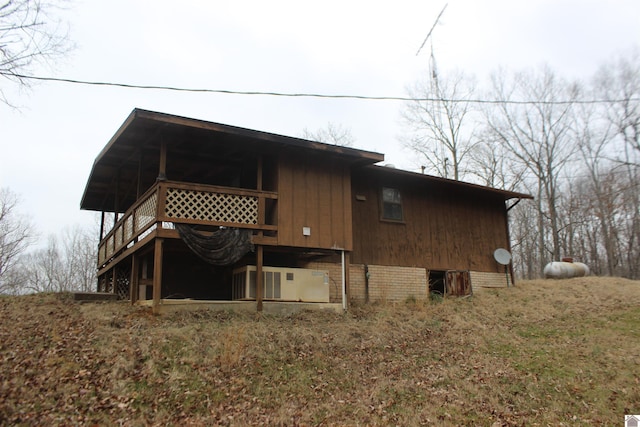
(390, 195)
(391, 204)
(392, 211)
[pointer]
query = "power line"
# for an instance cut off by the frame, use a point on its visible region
(315, 95)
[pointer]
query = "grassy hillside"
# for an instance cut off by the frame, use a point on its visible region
(542, 353)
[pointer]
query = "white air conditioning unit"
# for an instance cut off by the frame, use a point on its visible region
(282, 284)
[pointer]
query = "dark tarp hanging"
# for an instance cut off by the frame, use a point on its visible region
(222, 247)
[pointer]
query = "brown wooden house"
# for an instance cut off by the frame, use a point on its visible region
(209, 212)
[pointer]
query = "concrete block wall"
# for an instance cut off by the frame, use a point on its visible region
(481, 280)
(394, 284)
(357, 282)
(386, 283)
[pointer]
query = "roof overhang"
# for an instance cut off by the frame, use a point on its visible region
(146, 130)
(449, 183)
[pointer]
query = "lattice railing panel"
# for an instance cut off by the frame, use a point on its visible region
(214, 207)
(118, 235)
(102, 255)
(128, 228)
(146, 212)
(110, 246)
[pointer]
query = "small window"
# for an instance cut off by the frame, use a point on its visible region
(391, 204)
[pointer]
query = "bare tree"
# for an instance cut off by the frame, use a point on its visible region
(538, 134)
(524, 242)
(496, 167)
(619, 82)
(333, 133)
(442, 130)
(594, 136)
(16, 234)
(67, 263)
(29, 35)
(80, 251)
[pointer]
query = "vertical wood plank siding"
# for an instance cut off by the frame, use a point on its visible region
(444, 228)
(315, 192)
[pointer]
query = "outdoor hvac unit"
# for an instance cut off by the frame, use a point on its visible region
(282, 284)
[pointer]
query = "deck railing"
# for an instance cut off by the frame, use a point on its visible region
(178, 202)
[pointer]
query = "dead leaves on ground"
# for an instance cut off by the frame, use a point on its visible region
(524, 355)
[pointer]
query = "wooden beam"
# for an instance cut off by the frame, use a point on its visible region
(259, 177)
(261, 200)
(116, 204)
(134, 282)
(259, 284)
(114, 279)
(144, 280)
(101, 227)
(509, 268)
(157, 275)
(161, 203)
(265, 240)
(347, 263)
(139, 178)
(162, 167)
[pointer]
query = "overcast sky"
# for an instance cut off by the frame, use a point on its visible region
(48, 146)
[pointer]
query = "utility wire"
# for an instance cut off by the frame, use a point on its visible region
(315, 95)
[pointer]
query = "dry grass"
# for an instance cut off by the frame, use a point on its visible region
(542, 353)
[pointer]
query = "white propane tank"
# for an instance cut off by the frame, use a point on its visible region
(565, 270)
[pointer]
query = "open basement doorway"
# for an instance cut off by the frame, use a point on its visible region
(436, 283)
(449, 283)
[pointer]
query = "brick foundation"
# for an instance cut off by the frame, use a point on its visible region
(394, 284)
(386, 283)
(481, 280)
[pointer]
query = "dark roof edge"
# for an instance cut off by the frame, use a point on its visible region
(106, 149)
(505, 193)
(372, 156)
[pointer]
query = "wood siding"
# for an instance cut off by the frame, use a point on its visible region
(314, 191)
(444, 227)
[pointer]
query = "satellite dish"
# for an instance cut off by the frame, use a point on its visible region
(502, 256)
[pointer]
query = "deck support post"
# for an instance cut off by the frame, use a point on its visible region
(139, 176)
(101, 227)
(116, 202)
(162, 167)
(347, 277)
(259, 174)
(134, 281)
(344, 281)
(259, 284)
(509, 268)
(114, 279)
(157, 274)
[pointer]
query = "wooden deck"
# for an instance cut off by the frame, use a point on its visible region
(170, 202)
